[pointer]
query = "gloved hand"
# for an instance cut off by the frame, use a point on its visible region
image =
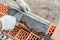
(23, 5)
(8, 22)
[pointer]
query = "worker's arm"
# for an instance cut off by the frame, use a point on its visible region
(7, 22)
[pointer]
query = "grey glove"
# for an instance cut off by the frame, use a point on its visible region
(24, 6)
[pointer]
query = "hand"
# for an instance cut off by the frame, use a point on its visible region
(23, 5)
(8, 22)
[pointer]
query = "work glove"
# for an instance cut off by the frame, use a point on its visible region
(8, 22)
(24, 6)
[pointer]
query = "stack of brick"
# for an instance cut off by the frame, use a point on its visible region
(3, 8)
(20, 33)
